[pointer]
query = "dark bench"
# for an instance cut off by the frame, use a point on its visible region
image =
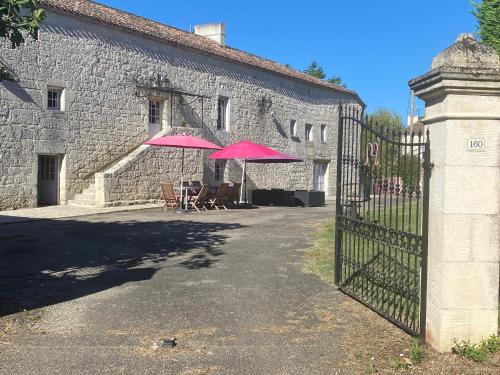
(310, 198)
(280, 197)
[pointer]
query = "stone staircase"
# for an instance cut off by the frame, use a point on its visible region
(85, 198)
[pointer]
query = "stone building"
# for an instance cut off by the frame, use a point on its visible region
(99, 82)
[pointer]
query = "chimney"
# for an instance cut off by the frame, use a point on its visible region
(213, 31)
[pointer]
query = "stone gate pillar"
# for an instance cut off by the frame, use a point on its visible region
(462, 111)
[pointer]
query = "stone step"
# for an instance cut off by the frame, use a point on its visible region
(86, 196)
(81, 202)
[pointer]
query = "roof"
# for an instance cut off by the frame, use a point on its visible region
(132, 23)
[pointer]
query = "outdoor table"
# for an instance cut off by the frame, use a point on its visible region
(187, 191)
(185, 196)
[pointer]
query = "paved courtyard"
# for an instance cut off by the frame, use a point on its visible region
(100, 290)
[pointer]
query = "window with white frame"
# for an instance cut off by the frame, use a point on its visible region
(323, 133)
(308, 132)
(293, 128)
(219, 170)
(155, 107)
(54, 97)
(223, 113)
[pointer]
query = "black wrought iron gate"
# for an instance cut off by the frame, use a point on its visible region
(382, 218)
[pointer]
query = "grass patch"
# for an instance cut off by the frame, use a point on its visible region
(477, 353)
(320, 256)
(382, 268)
(416, 350)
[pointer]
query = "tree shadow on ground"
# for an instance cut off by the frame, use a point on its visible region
(51, 261)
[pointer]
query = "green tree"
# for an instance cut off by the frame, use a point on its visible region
(336, 80)
(315, 70)
(487, 14)
(409, 169)
(388, 124)
(18, 18)
(386, 119)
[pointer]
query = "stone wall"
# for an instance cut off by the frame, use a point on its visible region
(135, 179)
(105, 116)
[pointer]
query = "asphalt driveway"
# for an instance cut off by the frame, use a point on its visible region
(101, 290)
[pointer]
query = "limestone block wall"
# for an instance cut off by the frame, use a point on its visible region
(135, 179)
(464, 247)
(105, 118)
(462, 105)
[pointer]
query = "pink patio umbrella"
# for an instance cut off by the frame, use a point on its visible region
(253, 153)
(182, 141)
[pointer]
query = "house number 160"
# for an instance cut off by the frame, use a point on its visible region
(475, 144)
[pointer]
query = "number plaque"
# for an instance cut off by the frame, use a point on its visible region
(476, 144)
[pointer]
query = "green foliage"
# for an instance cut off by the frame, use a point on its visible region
(399, 363)
(389, 124)
(317, 71)
(336, 80)
(488, 17)
(416, 350)
(386, 120)
(320, 256)
(371, 368)
(477, 353)
(409, 169)
(466, 350)
(491, 344)
(18, 17)
(415, 356)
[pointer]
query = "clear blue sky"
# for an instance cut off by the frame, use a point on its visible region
(376, 46)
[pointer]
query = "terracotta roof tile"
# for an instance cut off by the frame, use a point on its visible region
(133, 23)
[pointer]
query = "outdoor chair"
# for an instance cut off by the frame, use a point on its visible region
(220, 199)
(198, 202)
(195, 184)
(172, 200)
(234, 194)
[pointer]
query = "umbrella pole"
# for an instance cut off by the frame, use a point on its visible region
(186, 198)
(182, 184)
(245, 180)
(242, 184)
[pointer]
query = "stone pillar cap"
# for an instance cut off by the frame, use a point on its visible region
(467, 52)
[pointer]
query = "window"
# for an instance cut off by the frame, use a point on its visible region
(222, 114)
(54, 99)
(219, 170)
(293, 128)
(154, 112)
(47, 168)
(323, 133)
(308, 133)
(320, 176)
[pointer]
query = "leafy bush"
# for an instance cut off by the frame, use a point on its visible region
(477, 353)
(491, 344)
